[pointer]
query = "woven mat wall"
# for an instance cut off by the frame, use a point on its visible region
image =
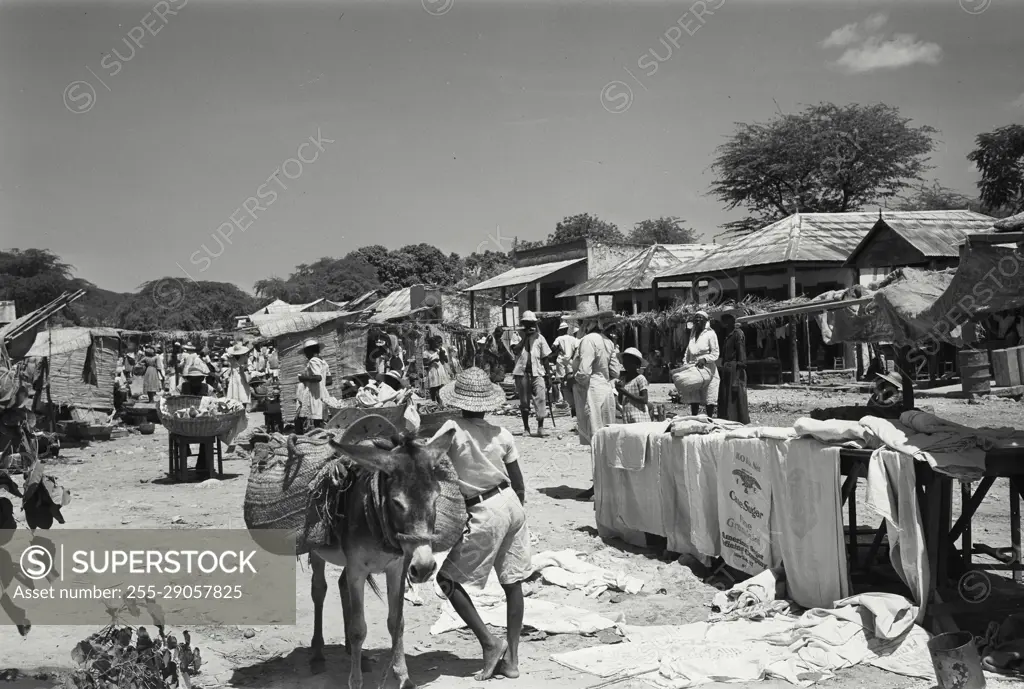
(85, 377)
(343, 351)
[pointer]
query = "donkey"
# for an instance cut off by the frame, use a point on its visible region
(387, 525)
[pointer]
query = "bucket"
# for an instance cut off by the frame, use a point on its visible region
(974, 373)
(956, 661)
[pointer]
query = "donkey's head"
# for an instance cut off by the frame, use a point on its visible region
(414, 472)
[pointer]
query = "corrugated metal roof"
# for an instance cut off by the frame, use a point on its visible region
(638, 272)
(808, 237)
(393, 305)
(276, 325)
(523, 275)
(936, 234)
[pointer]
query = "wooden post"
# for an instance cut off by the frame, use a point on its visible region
(472, 310)
(504, 309)
(807, 337)
(741, 286)
(636, 328)
(794, 344)
(655, 287)
(537, 292)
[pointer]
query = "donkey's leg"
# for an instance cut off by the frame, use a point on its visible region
(318, 591)
(345, 608)
(355, 623)
(396, 625)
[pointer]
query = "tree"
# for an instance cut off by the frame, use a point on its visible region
(999, 157)
(173, 304)
(585, 225)
(826, 159)
(483, 266)
(33, 278)
(336, 279)
(662, 231)
(934, 197)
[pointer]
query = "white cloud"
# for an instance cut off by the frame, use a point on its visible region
(902, 50)
(842, 37)
(875, 22)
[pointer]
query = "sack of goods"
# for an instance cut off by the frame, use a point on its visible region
(690, 378)
(301, 485)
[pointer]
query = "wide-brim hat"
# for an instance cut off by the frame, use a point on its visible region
(587, 310)
(472, 390)
(196, 368)
(635, 353)
(893, 378)
(563, 326)
(528, 317)
(391, 375)
(189, 347)
(311, 342)
(238, 349)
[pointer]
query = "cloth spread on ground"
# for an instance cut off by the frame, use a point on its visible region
(872, 628)
(807, 521)
(631, 445)
(564, 568)
(757, 598)
(745, 503)
(892, 494)
(544, 616)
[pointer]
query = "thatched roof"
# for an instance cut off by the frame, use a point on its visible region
(638, 272)
(66, 340)
(1015, 223)
(810, 238)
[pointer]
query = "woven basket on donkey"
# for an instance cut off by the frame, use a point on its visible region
(278, 493)
(201, 426)
(451, 511)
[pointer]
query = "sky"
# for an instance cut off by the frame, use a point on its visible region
(135, 132)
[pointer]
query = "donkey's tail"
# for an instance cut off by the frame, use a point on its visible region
(376, 589)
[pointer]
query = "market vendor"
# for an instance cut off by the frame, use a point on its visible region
(237, 387)
(312, 390)
(152, 383)
(195, 379)
(702, 352)
(732, 393)
(889, 395)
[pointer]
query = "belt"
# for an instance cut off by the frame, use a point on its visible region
(486, 495)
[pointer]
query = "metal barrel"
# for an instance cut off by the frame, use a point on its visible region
(974, 371)
(956, 661)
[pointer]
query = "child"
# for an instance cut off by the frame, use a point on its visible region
(496, 536)
(632, 388)
(272, 419)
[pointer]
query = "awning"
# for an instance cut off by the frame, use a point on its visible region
(813, 307)
(276, 325)
(523, 276)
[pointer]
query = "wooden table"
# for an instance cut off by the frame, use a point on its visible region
(177, 454)
(947, 563)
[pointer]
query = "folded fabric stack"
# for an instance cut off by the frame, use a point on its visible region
(700, 425)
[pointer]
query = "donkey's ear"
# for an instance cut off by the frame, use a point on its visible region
(440, 443)
(368, 456)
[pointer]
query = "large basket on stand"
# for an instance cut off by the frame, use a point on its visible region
(199, 427)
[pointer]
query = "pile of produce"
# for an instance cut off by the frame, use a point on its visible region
(210, 406)
(123, 657)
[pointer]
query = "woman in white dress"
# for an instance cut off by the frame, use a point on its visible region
(595, 369)
(238, 374)
(702, 351)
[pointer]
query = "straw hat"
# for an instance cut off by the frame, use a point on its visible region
(528, 317)
(238, 349)
(588, 310)
(395, 378)
(196, 369)
(311, 342)
(635, 353)
(893, 378)
(189, 347)
(472, 390)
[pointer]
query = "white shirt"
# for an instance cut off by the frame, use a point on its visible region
(703, 347)
(311, 396)
(479, 451)
(537, 350)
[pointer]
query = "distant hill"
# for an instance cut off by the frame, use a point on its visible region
(98, 305)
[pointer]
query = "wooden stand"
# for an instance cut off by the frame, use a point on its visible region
(177, 455)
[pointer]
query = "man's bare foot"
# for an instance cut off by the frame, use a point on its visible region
(507, 668)
(492, 656)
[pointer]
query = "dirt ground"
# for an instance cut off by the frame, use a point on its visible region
(119, 485)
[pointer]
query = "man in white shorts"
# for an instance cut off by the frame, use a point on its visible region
(496, 536)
